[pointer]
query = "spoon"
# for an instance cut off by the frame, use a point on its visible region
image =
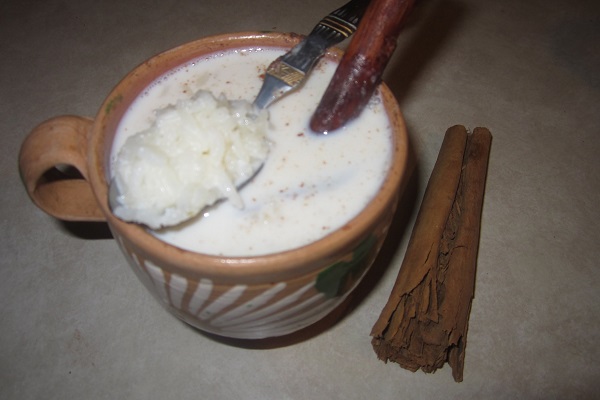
(361, 68)
(290, 70)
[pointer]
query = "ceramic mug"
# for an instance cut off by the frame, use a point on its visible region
(238, 297)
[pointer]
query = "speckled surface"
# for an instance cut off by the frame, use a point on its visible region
(76, 324)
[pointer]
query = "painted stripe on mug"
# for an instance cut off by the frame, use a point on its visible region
(156, 273)
(266, 311)
(200, 296)
(249, 306)
(225, 300)
(177, 288)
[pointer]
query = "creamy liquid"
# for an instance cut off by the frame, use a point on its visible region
(310, 184)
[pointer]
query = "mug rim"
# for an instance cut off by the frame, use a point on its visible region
(267, 267)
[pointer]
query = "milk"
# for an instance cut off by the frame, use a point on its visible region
(310, 184)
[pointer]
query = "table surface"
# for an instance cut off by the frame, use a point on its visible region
(77, 325)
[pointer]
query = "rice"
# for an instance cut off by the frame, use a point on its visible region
(196, 152)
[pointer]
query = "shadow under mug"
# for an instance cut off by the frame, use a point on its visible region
(238, 297)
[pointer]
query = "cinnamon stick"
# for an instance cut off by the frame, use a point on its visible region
(424, 323)
(362, 65)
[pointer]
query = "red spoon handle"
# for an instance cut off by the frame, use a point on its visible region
(360, 70)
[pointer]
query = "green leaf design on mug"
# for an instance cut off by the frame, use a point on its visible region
(338, 278)
(113, 103)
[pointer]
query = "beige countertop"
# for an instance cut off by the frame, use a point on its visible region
(76, 324)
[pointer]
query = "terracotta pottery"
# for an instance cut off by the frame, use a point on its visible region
(238, 297)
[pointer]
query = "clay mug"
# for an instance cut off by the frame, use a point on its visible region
(237, 297)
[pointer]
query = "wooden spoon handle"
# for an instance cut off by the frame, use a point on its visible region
(360, 70)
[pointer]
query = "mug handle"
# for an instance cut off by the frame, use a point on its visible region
(53, 167)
